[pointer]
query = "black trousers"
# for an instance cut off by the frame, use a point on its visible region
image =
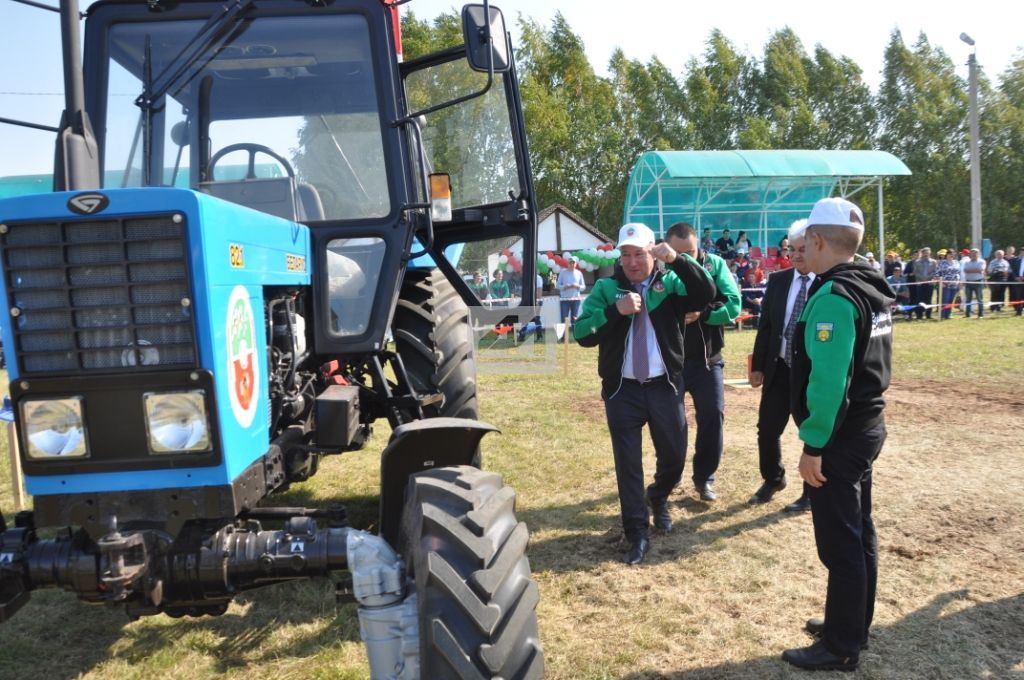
(772, 418)
(705, 384)
(658, 405)
(845, 535)
(997, 292)
(925, 293)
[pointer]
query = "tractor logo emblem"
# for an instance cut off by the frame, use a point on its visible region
(88, 204)
(243, 370)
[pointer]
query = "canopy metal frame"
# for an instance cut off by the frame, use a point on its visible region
(776, 199)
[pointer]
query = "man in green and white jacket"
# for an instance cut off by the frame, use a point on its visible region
(636, 317)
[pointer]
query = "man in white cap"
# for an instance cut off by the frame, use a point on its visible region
(841, 362)
(784, 300)
(635, 317)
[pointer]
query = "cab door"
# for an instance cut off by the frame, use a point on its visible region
(480, 143)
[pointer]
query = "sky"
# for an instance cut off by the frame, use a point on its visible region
(31, 84)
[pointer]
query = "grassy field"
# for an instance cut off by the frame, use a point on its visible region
(720, 597)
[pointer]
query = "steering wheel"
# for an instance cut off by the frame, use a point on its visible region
(253, 149)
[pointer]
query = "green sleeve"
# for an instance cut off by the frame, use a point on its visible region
(829, 338)
(726, 284)
(598, 309)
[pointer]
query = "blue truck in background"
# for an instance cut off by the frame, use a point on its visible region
(190, 331)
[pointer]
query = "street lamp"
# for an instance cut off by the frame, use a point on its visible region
(972, 79)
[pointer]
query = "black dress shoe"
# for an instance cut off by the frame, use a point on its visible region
(816, 627)
(767, 490)
(638, 550)
(660, 513)
(817, 658)
(706, 492)
(802, 504)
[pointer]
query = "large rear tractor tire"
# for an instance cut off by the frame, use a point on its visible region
(434, 338)
(477, 604)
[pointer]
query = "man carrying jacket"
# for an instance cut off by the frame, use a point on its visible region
(703, 340)
(840, 368)
(635, 317)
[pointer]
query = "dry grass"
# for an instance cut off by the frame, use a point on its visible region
(720, 597)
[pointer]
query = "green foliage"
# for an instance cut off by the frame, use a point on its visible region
(587, 130)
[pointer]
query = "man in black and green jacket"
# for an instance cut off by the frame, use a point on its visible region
(635, 318)
(841, 363)
(703, 367)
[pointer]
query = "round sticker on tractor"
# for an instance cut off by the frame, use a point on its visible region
(243, 367)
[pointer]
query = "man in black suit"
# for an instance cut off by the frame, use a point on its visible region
(1016, 274)
(783, 301)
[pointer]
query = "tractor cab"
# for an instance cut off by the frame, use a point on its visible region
(301, 111)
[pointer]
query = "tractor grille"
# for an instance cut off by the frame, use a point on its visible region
(100, 295)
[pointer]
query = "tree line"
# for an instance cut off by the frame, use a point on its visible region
(586, 130)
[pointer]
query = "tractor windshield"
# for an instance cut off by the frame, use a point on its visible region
(272, 97)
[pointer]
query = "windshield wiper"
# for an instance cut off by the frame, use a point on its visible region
(213, 33)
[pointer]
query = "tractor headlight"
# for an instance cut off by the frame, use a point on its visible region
(54, 428)
(176, 422)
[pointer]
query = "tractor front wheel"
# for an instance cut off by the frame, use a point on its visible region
(477, 604)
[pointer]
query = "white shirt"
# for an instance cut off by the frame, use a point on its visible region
(794, 290)
(655, 364)
(570, 276)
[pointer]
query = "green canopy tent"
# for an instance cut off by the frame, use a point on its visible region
(760, 192)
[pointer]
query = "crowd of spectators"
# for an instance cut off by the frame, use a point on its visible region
(957, 281)
(750, 265)
(961, 281)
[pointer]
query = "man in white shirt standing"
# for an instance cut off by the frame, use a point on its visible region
(570, 291)
(973, 271)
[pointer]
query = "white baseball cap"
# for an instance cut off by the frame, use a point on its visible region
(837, 212)
(635, 234)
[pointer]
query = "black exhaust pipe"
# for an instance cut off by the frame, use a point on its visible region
(76, 163)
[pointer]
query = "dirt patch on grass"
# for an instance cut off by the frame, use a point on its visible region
(957, 404)
(728, 589)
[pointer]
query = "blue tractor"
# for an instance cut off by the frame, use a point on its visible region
(256, 246)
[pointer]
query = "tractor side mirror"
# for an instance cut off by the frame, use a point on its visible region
(483, 31)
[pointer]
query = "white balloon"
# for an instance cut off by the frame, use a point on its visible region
(566, 255)
(503, 259)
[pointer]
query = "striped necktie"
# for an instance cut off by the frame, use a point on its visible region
(641, 363)
(798, 308)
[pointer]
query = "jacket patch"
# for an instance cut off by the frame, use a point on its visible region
(658, 286)
(823, 332)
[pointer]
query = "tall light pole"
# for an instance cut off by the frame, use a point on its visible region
(972, 80)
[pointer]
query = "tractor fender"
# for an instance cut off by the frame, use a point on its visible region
(418, 446)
